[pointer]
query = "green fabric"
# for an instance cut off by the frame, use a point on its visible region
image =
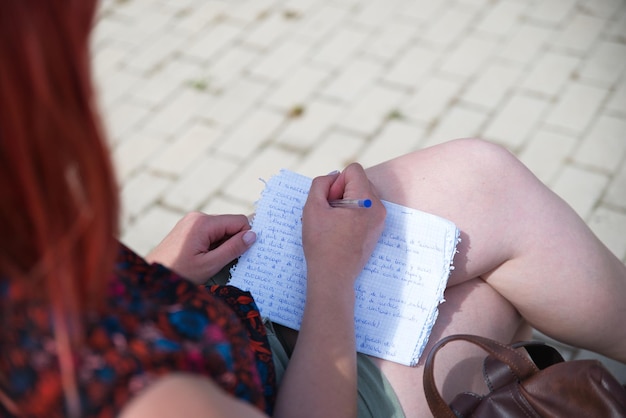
(376, 397)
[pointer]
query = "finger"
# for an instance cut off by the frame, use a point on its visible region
(229, 250)
(320, 188)
(353, 183)
(220, 227)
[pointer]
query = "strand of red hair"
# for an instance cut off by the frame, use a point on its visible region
(59, 210)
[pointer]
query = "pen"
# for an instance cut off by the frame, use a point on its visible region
(351, 203)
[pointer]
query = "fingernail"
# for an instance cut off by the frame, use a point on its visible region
(332, 173)
(249, 237)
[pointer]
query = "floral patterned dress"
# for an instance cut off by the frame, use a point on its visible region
(154, 323)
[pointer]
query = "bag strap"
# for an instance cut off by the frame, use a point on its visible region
(498, 374)
(519, 364)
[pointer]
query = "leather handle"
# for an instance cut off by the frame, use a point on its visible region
(519, 364)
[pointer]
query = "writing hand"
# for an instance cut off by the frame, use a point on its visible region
(200, 245)
(339, 241)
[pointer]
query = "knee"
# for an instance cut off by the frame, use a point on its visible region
(483, 157)
(480, 150)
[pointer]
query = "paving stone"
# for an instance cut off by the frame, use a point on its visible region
(352, 80)
(474, 3)
(119, 31)
(117, 85)
(430, 100)
(494, 82)
(198, 183)
(371, 110)
(220, 37)
(413, 66)
(303, 131)
(134, 153)
(229, 107)
(377, 13)
(179, 71)
(617, 100)
(247, 137)
(281, 61)
(246, 12)
(334, 152)
(516, 120)
(604, 147)
(297, 88)
(301, 7)
(468, 58)
(107, 59)
(423, 11)
(546, 152)
(526, 42)
(388, 42)
(152, 91)
(502, 18)
(616, 193)
(576, 107)
(580, 33)
(551, 12)
(602, 8)
(161, 48)
(178, 7)
(199, 16)
(187, 148)
(348, 4)
(319, 23)
(220, 74)
(177, 114)
(150, 229)
(149, 25)
(219, 205)
(551, 73)
(615, 31)
(123, 118)
(272, 29)
(398, 137)
(458, 122)
(135, 9)
(449, 27)
(140, 192)
(605, 64)
(339, 48)
(246, 185)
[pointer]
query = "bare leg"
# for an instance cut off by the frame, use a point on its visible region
(518, 237)
(471, 307)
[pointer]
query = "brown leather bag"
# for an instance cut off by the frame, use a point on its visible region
(539, 384)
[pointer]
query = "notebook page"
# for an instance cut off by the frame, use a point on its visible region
(397, 293)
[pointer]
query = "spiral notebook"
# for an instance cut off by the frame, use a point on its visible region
(397, 294)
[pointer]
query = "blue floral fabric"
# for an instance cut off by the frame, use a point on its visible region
(154, 323)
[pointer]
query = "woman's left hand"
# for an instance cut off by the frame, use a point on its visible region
(200, 245)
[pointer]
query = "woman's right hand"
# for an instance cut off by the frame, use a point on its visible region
(338, 242)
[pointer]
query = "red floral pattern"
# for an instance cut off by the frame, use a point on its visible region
(154, 323)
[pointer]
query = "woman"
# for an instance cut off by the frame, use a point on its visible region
(91, 329)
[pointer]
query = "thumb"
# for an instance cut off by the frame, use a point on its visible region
(230, 249)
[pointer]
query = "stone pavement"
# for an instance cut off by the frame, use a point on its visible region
(202, 97)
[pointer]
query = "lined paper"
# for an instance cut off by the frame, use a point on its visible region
(397, 294)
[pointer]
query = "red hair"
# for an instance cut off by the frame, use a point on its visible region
(59, 205)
